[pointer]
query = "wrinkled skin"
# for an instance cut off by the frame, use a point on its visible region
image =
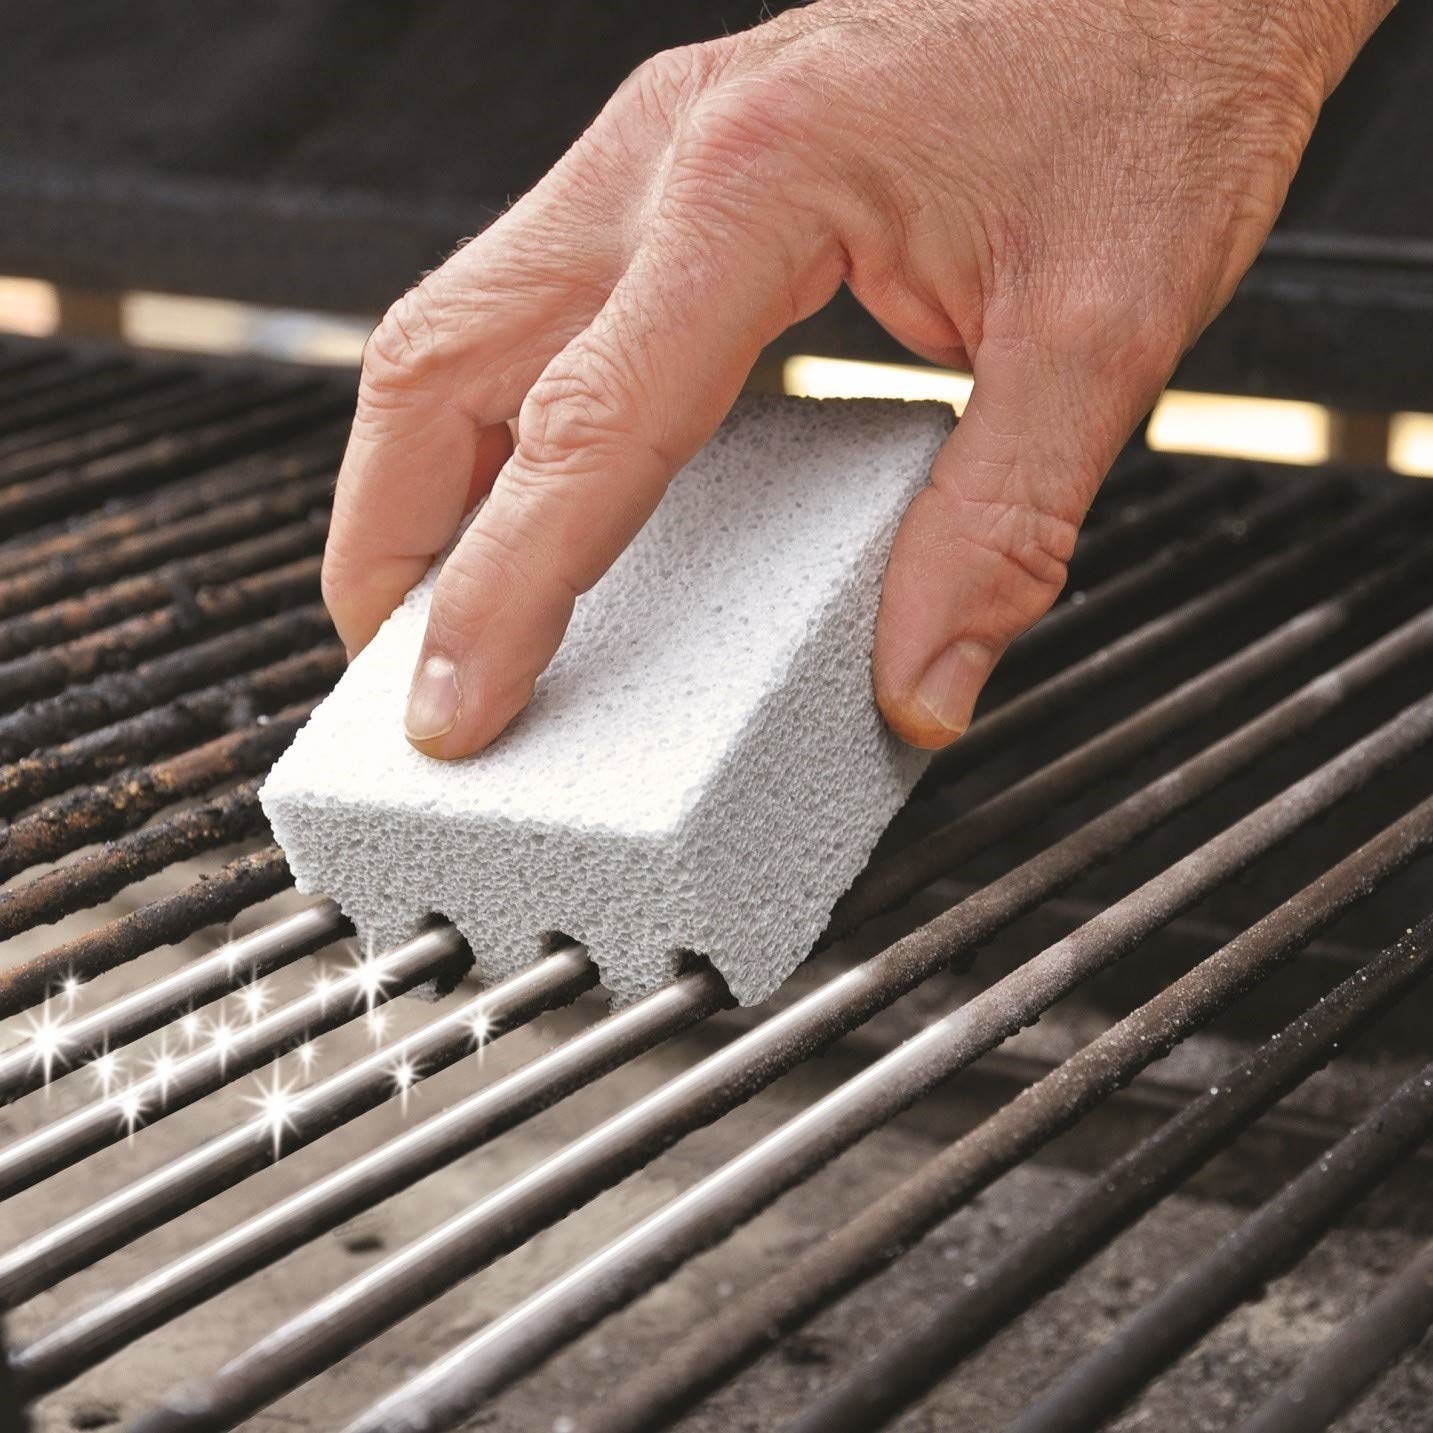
(1056, 194)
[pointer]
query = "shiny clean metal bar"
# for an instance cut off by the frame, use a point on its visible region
(68, 1044)
(62, 1354)
(989, 1298)
(1340, 1370)
(297, 1120)
(351, 1315)
(445, 1393)
(749, 1323)
(106, 1121)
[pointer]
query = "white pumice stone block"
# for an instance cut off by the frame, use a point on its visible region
(702, 768)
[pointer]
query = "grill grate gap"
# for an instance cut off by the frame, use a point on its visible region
(1173, 771)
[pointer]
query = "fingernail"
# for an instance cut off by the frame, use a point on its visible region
(952, 682)
(433, 700)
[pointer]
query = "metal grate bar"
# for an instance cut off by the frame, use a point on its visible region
(199, 400)
(160, 631)
(288, 461)
(243, 882)
(67, 1044)
(1263, 1247)
(888, 882)
(1184, 564)
(511, 1346)
(183, 539)
(29, 448)
(163, 458)
(191, 718)
(996, 731)
(95, 389)
(43, 673)
(100, 874)
(1332, 1379)
(355, 1313)
(115, 695)
(96, 813)
(93, 1335)
(432, 955)
(1140, 525)
(1133, 1185)
(556, 980)
(861, 1248)
(177, 582)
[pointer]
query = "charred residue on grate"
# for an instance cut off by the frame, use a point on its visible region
(1194, 816)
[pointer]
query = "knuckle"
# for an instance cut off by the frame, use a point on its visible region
(670, 77)
(413, 337)
(331, 581)
(1124, 337)
(1033, 544)
(575, 411)
(663, 88)
(739, 128)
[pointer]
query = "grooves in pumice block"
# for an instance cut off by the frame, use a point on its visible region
(702, 768)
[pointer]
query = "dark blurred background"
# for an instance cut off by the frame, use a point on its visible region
(321, 154)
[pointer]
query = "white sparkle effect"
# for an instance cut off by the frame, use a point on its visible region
(129, 1106)
(162, 1065)
(323, 986)
(368, 974)
(46, 1036)
(222, 1039)
(275, 1102)
(363, 985)
(254, 998)
(405, 1076)
(483, 1029)
(105, 1070)
(192, 1029)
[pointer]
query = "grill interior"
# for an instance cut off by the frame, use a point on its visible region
(1128, 1014)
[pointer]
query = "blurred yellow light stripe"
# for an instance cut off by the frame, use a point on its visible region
(1410, 444)
(28, 306)
(1278, 430)
(1275, 429)
(807, 376)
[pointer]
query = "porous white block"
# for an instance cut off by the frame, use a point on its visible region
(702, 768)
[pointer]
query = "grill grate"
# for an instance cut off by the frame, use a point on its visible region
(1207, 773)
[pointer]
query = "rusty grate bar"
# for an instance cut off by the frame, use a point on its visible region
(194, 716)
(289, 461)
(352, 1315)
(243, 882)
(160, 636)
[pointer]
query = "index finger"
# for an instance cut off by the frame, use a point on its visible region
(602, 432)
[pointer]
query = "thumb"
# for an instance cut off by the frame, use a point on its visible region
(982, 551)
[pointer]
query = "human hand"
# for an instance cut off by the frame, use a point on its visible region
(1056, 194)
